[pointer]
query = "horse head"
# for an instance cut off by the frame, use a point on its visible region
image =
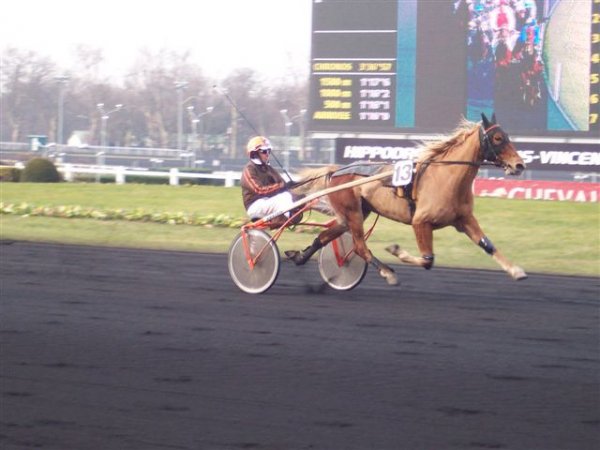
(497, 147)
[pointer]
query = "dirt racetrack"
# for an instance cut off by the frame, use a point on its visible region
(130, 349)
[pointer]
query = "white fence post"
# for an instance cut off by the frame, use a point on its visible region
(229, 179)
(120, 175)
(174, 177)
(68, 172)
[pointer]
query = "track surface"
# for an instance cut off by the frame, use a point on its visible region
(125, 349)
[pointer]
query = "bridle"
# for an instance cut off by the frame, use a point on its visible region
(489, 149)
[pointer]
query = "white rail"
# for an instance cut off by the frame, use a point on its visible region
(121, 173)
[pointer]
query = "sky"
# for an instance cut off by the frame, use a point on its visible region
(270, 36)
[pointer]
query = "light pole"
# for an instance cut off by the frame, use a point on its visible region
(180, 86)
(288, 126)
(104, 115)
(99, 162)
(302, 127)
(194, 123)
(62, 81)
(196, 119)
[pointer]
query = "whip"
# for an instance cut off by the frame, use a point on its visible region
(234, 105)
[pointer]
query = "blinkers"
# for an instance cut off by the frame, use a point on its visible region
(492, 138)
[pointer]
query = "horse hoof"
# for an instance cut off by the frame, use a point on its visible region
(394, 249)
(392, 281)
(518, 274)
(390, 277)
(295, 256)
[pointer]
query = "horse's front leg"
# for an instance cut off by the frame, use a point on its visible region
(471, 228)
(361, 249)
(424, 236)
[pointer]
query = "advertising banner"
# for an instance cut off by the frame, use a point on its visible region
(537, 190)
(537, 156)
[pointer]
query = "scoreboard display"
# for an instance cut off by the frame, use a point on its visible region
(418, 66)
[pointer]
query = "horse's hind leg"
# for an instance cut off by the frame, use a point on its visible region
(324, 238)
(471, 228)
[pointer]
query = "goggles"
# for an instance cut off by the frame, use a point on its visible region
(264, 151)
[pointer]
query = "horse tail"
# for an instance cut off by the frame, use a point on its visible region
(313, 179)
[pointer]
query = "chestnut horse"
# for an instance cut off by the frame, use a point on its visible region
(441, 195)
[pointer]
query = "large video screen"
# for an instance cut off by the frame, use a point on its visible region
(418, 66)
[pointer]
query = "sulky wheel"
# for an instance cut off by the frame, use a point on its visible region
(340, 267)
(261, 277)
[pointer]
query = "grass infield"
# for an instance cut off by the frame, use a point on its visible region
(540, 236)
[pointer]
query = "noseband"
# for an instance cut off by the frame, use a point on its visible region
(491, 150)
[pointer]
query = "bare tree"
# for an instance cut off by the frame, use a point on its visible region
(29, 95)
(26, 86)
(89, 62)
(153, 79)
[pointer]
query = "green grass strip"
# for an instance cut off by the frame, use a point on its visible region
(540, 236)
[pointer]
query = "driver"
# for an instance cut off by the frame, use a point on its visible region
(264, 191)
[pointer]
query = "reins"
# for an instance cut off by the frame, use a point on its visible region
(424, 164)
(309, 180)
(484, 145)
(462, 163)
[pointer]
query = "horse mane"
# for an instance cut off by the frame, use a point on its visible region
(444, 144)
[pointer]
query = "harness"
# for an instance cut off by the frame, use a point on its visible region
(489, 150)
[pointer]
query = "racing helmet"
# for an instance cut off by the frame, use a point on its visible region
(257, 143)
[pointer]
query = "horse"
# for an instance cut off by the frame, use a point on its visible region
(441, 195)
